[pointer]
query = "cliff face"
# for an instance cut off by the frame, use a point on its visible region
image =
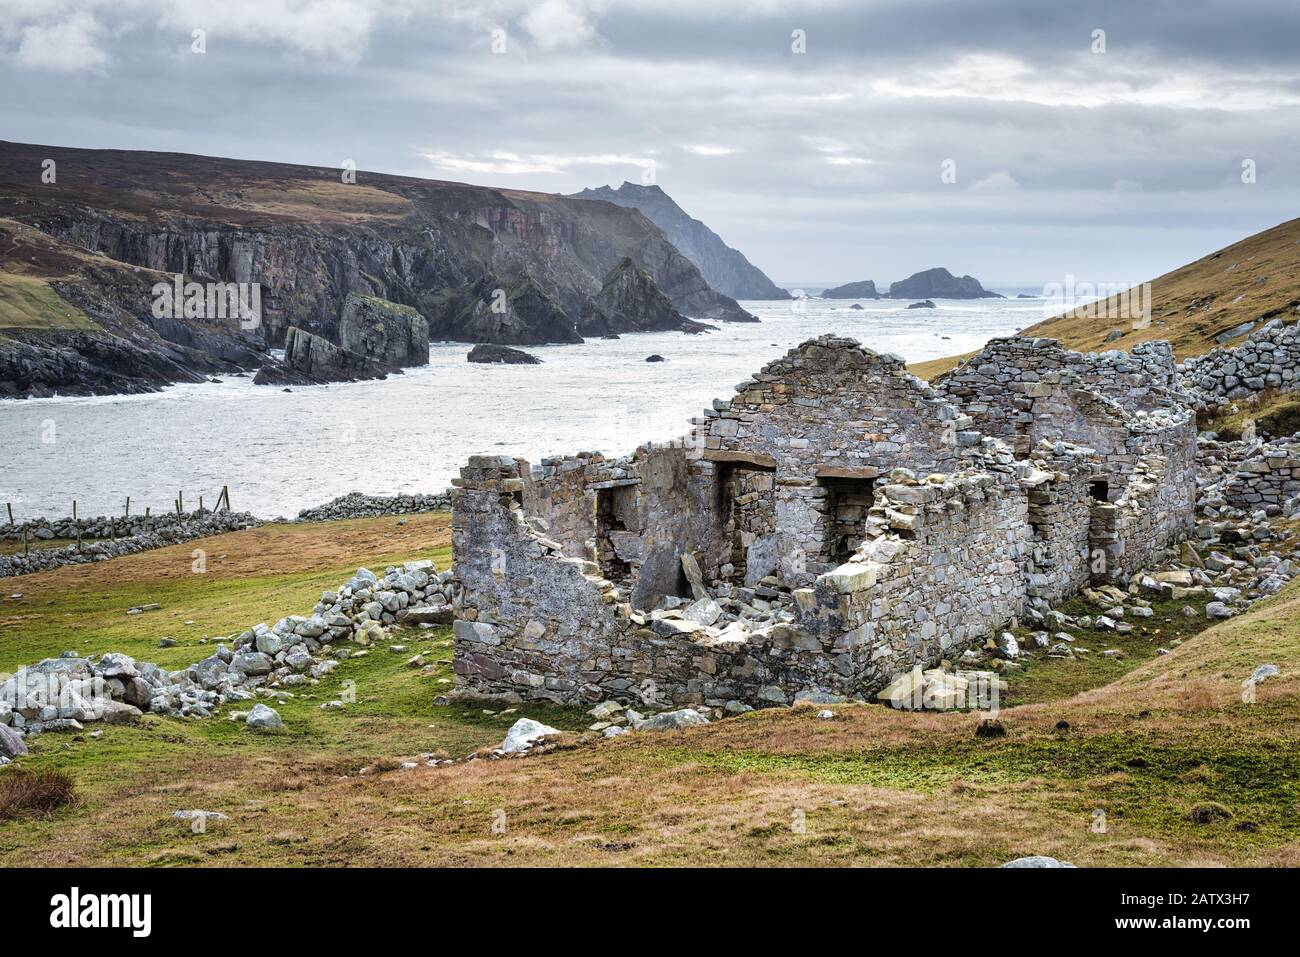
(939, 283)
(724, 268)
(384, 331)
(309, 241)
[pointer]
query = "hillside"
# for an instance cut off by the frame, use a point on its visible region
(1143, 737)
(726, 269)
(113, 219)
(1196, 307)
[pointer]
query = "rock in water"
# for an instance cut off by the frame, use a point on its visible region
(1036, 860)
(524, 733)
(486, 353)
(923, 304)
(11, 742)
(655, 358)
(939, 283)
(384, 331)
(517, 312)
(312, 360)
(866, 289)
(263, 718)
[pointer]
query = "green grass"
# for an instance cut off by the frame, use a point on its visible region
(393, 716)
(1275, 415)
(29, 303)
(1040, 678)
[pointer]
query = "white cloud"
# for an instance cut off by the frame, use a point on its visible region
(555, 24)
(999, 182)
(68, 46)
(701, 150)
(507, 163)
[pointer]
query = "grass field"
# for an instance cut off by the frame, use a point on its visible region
(1148, 738)
(28, 302)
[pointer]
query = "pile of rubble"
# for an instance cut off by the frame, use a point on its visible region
(61, 694)
(360, 505)
(104, 538)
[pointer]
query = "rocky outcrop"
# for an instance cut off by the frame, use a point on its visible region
(724, 268)
(923, 304)
(866, 289)
(629, 301)
(311, 360)
(939, 283)
(489, 354)
(494, 311)
(387, 332)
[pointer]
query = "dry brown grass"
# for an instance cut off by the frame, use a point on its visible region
(1257, 277)
(30, 793)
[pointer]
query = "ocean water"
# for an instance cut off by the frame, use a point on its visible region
(283, 451)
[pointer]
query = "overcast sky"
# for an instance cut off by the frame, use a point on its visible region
(821, 166)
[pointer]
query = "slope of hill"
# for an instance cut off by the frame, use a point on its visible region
(1214, 301)
(305, 236)
(726, 269)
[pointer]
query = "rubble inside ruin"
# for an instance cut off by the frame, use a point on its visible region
(836, 523)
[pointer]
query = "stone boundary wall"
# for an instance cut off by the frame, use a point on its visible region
(945, 567)
(1267, 477)
(361, 505)
(1269, 358)
(166, 530)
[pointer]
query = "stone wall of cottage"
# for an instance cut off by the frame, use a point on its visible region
(1015, 387)
(945, 564)
(1060, 501)
(535, 624)
(827, 411)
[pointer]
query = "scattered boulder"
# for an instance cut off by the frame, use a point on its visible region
(671, 720)
(1036, 860)
(12, 744)
(264, 718)
(525, 733)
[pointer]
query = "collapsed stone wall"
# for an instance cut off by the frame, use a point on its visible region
(1252, 476)
(827, 411)
(997, 387)
(946, 564)
(536, 624)
(1268, 359)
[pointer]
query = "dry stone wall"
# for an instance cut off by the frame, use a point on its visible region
(1268, 359)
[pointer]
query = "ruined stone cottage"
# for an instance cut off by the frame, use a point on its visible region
(836, 522)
